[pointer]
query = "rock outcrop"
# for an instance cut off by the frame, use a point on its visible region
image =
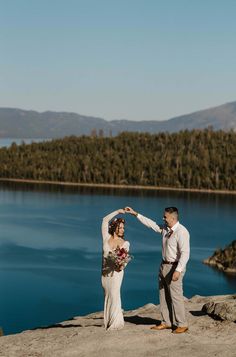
(85, 336)
(223, 310)
(224, 259)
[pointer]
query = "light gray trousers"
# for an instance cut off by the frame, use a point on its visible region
(171, 297)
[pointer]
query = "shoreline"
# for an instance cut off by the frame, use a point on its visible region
(132, 187)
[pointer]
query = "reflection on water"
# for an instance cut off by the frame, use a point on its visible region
(207, 197)
(50, 254)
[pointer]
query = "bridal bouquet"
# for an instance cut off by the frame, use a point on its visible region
(119, 258)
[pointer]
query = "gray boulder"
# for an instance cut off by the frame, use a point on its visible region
(223, 310)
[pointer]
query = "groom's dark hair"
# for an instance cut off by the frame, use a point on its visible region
(172, 210)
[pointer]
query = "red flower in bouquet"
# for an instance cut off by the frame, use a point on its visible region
(119, 258)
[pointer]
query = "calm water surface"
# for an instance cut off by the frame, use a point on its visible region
(6, 142)
(50, 254)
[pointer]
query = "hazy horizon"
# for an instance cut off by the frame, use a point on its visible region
(107, 119)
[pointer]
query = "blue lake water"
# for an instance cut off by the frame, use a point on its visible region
(50, 249)
(6, 142)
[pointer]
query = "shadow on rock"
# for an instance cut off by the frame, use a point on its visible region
(55, 326)
(198, 313)
(139, 320)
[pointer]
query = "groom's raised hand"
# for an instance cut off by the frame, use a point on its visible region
(131, 211)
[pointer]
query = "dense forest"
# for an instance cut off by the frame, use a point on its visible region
(203, 159)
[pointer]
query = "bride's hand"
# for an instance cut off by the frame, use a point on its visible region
(131, 211)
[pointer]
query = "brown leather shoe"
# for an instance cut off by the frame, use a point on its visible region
(180, 329)
(160, 327)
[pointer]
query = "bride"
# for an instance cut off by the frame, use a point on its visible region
(113, 238)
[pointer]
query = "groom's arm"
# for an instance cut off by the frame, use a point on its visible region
(144, 220)
(149, 223)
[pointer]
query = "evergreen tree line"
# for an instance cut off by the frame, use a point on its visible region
(202, 159)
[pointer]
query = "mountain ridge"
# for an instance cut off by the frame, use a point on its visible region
(18, 123)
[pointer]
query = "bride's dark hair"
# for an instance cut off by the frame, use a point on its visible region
(114, 224)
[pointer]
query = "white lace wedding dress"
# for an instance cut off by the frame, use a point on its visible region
(111, 282)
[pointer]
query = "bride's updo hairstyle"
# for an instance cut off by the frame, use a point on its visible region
(114, 224)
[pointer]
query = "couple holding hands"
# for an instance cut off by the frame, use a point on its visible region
(175, 255)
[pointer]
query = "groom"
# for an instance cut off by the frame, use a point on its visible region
(175, 255)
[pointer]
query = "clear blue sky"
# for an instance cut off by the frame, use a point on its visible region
(133, 59)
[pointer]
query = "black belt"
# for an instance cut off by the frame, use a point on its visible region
(166, 262)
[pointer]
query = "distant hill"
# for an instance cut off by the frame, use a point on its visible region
(18, 123)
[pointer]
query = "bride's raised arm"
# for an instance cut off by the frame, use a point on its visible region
(106, 220)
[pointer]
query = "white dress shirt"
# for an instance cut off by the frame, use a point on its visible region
(175, 248)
